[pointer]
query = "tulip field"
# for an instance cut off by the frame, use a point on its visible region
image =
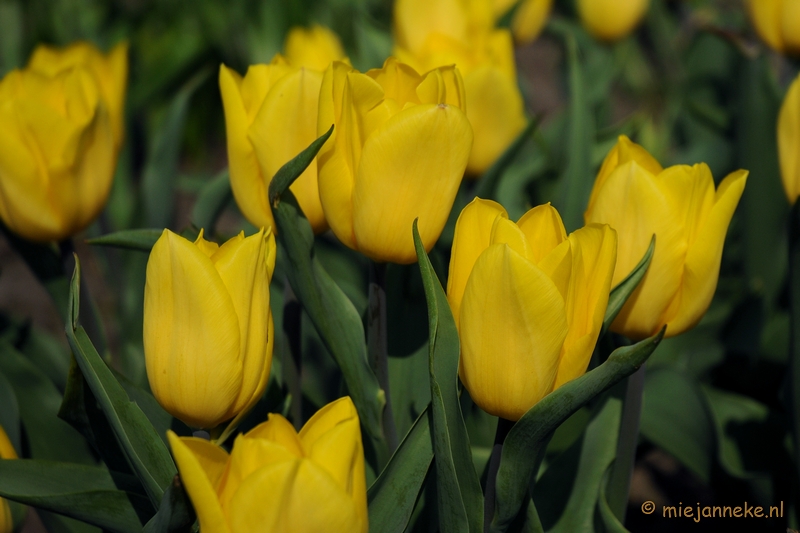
(399, 266)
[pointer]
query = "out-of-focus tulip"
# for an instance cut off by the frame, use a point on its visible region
(529, 19)
(278, 480)
(638, 198)
(777, 23)
(433, 33)
(314, 48)
(208, 330)
(62, 127)
(6, 452)
(397, 153)
(528, 301)
(789, 141)
(611, 20)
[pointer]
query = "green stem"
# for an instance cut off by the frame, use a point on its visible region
(292, 355)
(503, 427)
(377, 345)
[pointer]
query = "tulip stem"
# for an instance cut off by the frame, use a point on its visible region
(377, 345)
(619, 481)
(503, 427)
(292, 354)
(794, 307)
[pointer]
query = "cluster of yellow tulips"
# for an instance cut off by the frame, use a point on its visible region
(528, 299)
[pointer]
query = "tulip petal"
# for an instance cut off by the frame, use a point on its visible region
(766, 17)
(506, 232)
(280, 431)
(557, 265)
(703, 259)
(513, 324)
(191, 334)
(529, 19)
(610, 20)
(790, 26)
(415, 20)
(314, 48)
(691, 191)
(6, 520)
(410, 168)
(544, 229)
(472, 236)
(199, 463)
(7, 450)
(789, 140)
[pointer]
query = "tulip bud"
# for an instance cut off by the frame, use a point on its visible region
(528, 301)
(314, 48)
(397, 153)
(275, 479)
(611, 20)
(777, 22)
(789, 141)
(638, 198)
(6, 452)
(529, 19)
(62, 127)
(208, 330)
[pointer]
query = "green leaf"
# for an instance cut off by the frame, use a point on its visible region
(460, 496)
(296, 166)
(610, 523)
(130, 239)
(487, 185)
(158, 417)
(9, 414)
(620, 294)
(161, 167)
(332, 313)
(392, 496)
(213, 198)
(175, 514)
(144, 449)
(522, 445)
(48, 354)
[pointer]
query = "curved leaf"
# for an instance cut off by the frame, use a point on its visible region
(296, 166)
(131, 239)
(620, 294)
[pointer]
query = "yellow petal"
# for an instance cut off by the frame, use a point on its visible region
(280, 431)
(7, 450)
(766, 17)
(314, 48)
(415, 20)
(790, 26)
(506, 232)
(209, 248)
(610, 20)
(557, 265)
(529, 19)
(443, 85)
(191, 334)
(410, 168)
(398, 80)
(789, 141)
(703, 258)
(513, 323)
(544, 230)
(472, 236)
(6, 520)
(199, 462)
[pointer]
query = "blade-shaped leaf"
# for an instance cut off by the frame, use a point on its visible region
(87, 493)
(131, 239)
(296, 166)
(528, 435)
(487, 186)
(146, 453)
(213, 198)
(460, 496)
(392, 496)
(175, 514)
(9, 414)
(620, 294)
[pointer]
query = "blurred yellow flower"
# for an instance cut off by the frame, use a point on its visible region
(529, 19)
(528, 301)
(398, 152)
(611, 20)
(208, 329)
(777, 22)
(789, 141)
(638, 198)
(6, 452)
(275, 479)
(313, 48)
(62, 120)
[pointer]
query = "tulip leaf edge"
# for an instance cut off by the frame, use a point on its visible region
(292, 170)
(620, 294)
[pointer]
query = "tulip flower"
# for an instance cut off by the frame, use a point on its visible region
(789, 141)
(528, 301)
(62, 126)
(639, 198)
(611, 20)
(397, 153)
(270, 117)
(208, 330)
(433, 33)
(275, 479)
(529, 19)
(777, 22)
(7, 451)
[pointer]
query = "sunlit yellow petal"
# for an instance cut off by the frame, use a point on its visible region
(414, 20)
(314, 48)
(7, 450)
(789, 141)
(610, 20)
(529, 19)
(790, 26)
(766, 17)
(279, 430)
(544, 229)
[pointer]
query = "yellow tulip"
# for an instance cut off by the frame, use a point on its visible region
(432, 33)
(62, 126)
(777, 22)
(528, 301)
(679, 205)
(275, 479)
(208, 330)
(529, 19)
(789, 141)
(7, 451)
(611, 20)
(314, 48)
(398, 152)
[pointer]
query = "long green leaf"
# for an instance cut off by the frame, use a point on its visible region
(610, 523)
(531, 431)
(460, 496)
(296, 166)
(131, 239)
(144, 449)
(87, 493)
(620, 294)
(175, 514)
(392, 496)
(213, 198)
(332, 313)
(487, 186)
(9, 414)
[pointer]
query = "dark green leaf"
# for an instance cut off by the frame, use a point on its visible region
(460, 496)
(532, 430)
(487, 186)
(131, 239)
(211, 201)
(620, 294)
(296, 166)
(610, 523)
(175, 514)
(9, 414)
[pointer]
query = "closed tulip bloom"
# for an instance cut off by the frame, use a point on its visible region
(789, 141)
(639, 198)
(208, 330)
(529, 19)
(528, 301)
(397, 153)
(6, 452)
(777, 22)
(314, 48)
(62, 125)
(275, 479)
(611, 20)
